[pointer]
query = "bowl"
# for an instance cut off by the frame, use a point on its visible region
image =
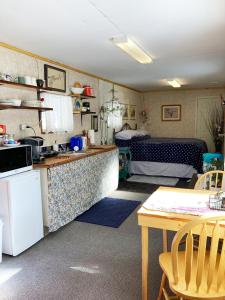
(76, 90)
(15, 102)
(32, 103)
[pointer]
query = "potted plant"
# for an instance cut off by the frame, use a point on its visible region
(215, 124)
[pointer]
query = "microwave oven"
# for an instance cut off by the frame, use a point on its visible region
(14, 160)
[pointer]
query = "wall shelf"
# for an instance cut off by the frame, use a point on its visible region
(29, 87)
(23, 86)
(88, 112)
(40, 109)
(84, 113)
(82, 96)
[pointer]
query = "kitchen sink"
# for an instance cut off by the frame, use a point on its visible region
(70, 153)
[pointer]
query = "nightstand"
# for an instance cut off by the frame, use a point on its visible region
(124, 161)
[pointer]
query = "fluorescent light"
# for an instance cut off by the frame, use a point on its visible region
(174, 83)
(132, 49)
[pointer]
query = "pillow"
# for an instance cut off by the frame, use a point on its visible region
(128, 134)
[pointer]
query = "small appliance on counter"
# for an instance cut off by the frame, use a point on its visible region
(14, 160)
(36, 142)
(49, 153)
(76, 143)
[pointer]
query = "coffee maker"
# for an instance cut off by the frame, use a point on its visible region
(36, 142)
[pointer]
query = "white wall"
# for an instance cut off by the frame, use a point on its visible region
(12, 62)
(188, 101)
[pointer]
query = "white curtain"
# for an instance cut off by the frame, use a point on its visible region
(61, 118)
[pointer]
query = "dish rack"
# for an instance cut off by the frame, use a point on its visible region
(217, 201)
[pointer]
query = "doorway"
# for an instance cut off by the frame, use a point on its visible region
(205, 106)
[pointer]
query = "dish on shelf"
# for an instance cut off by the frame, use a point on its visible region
(7, 103)
(14, 102)
(11, 145)
(77, 90)
(31, 103)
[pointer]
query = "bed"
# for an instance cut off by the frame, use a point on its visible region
(173, 157)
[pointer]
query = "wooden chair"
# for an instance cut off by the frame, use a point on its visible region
(212, 180)
(197, 274)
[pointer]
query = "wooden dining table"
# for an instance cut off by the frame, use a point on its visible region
(166, 220)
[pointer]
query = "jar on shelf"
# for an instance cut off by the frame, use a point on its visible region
(11, 139)
(88, 90)
(5, 139)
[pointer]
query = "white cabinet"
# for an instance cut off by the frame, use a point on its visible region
(21, 211)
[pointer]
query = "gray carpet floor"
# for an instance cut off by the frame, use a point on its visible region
(84, 262)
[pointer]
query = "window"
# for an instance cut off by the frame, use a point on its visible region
(61, 118)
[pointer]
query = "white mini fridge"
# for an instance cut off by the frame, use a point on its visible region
(21, 211)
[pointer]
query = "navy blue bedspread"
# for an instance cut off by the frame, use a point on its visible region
(170, 150)
(127, 143)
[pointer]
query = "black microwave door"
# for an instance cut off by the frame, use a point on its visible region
(15, 158)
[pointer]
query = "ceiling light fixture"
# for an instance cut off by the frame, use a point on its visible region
(174, 83)
(132, 49)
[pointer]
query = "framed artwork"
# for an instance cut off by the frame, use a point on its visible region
(125, 111)
(132, 112)
(171, 112)
(55, 78)
(94, 123)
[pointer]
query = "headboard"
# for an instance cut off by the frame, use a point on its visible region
(126, 126)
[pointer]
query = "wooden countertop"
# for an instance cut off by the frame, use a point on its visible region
(67, 158)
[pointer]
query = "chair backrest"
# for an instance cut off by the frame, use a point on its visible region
(212, 180)
(210, 261)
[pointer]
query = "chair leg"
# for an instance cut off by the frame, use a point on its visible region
(165, 294)
(163, 280)
(167, 297)
(162, 285)
(165, 241)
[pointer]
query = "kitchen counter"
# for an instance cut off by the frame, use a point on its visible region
(71, 184)
(67, 158)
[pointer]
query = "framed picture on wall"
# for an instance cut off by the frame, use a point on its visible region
(125, 111)
(132, 112)
(171, 112)
(94, 123)
(55, 78)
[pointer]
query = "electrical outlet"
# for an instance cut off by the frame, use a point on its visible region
(23, 126)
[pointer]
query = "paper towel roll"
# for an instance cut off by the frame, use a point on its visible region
(84, 142)
(91, 135)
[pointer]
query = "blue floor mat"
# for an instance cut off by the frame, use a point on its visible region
(109, 212)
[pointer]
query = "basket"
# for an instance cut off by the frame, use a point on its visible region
(217, 202)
